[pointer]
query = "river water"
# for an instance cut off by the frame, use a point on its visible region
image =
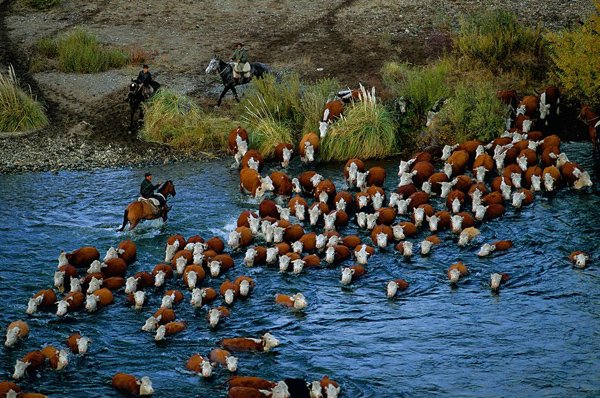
(539, 336)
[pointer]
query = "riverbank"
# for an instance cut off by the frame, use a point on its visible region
(347, 40)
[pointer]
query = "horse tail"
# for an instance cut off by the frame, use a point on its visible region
(124, 220)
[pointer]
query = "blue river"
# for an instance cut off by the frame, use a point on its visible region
(539, 336)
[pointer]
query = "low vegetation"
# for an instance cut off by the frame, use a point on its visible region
(176, 120)
(80, 52)
(491, 51)
(577, 60)
(497, 40)
(19, 110)
(367, 131)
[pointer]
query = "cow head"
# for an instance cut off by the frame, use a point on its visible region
(20, 368)
(347, 274)
(486, 249)
(392, 289)
(249, 257)
(269, 341)
(407, 249)
(419, 214)
(244, 288)
(151, 324)
(495, 280)
(32, 306)
(234, 239)
(215, 271)
(299, 210)
(231, 363)
(480, 212)
(196, 300)
(536, 183)
(382, 240)
(433, 222)
(457, 223)
(398, 231)
(287, 155)
(426, 247)
(284, 263)
(146, 386)
(138, 299)
(456, 205)
(213, 319)
(372, 220)
(297, 266)
(91, 302)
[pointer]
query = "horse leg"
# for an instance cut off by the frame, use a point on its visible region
(222, 95)
(132, 114)
(235, 93)
(141, 118)
(125, 220)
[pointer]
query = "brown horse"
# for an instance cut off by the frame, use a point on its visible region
(143, 210)
(592, 120)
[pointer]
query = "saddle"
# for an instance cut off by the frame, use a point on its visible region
(153, 203)
(242, 69)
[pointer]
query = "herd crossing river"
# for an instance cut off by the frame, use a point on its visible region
(538, 336)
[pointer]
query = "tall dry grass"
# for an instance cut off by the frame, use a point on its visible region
(80, 52)
(19, 110)
(366, 131)
(176, 120)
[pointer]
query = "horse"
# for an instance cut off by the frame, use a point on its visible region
(225, 70)
(135, 97)
(145, 210)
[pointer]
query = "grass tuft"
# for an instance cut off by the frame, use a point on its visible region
(19, 111)
(367, 131)
(80, 52)
(266, 131)
(422, 86)
(176, 120)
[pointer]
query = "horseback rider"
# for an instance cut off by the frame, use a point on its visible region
(145, 79)
(241, 66)
(147, 191)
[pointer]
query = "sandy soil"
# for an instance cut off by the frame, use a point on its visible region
(349, 40)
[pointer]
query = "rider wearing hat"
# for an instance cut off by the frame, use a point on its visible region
(241, 66)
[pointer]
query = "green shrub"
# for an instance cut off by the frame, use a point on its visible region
(499, 41)
(422, 86)
(577, 60)
(473, 112)
(367, 131)
(80, 52)
(19, 111)
(43, 4)
(313, 99)
(176, 120)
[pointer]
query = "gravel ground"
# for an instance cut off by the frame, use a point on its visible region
(349, 40)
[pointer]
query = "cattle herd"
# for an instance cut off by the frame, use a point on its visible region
(300, 228)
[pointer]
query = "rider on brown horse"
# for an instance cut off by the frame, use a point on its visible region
(147, 191)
